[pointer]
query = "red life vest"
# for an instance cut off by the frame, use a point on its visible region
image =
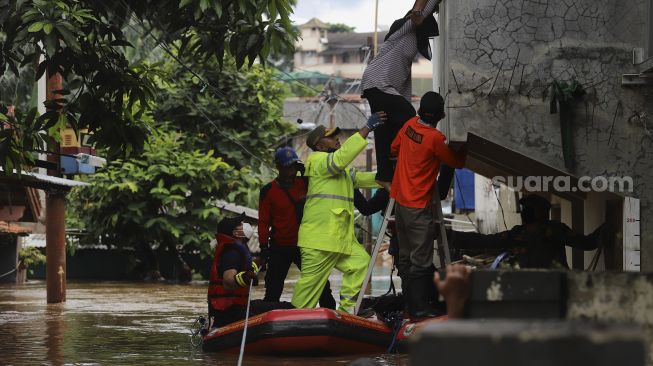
(219, 298)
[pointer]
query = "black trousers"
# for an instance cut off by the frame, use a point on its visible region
(281, 257)
(237, 312)
(398, 111)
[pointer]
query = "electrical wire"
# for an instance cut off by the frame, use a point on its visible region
(503, 215)
(219, 92)
(159, 43)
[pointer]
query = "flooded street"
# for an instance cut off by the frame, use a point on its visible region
(118, 323)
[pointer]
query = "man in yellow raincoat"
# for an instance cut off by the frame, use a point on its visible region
(326, 234)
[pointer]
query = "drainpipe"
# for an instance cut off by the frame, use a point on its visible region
(55, 213)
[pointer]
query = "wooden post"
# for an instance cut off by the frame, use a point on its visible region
(55, 224)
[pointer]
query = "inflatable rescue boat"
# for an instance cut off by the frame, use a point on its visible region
(308, 332)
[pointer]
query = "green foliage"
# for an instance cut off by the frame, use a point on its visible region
(163, 198)
(30, 256)
(83, 40)
(19, 140)
(564, 92)
(238, 111)
(340, 28)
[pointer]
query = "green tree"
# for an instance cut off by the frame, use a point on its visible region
(340, 28)
(83, 40)
(239, 115)
(163, 199)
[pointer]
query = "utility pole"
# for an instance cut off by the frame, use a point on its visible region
(376, 28)
(55, 214)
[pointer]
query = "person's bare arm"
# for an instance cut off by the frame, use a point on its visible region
(454, 288)
(364, 131)
(418, 6)
(229, 279)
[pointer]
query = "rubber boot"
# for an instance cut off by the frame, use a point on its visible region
(405, 294)
(420, 306)
(434, 297)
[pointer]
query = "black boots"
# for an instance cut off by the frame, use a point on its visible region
(419, 298)
(405, 294)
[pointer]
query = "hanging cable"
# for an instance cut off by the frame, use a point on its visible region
(180, 62)
(503, 215)
(8, 273)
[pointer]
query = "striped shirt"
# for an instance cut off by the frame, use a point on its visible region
(390, 70)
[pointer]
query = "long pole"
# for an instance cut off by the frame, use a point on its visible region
(55, 224)
(376, 28)
(242, 341)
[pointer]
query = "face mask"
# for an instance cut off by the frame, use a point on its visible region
(248, 230)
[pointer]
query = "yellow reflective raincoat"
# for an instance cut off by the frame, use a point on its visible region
(328, 221)
(326, 234)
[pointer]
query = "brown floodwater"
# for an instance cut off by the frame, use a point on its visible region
(119, 323)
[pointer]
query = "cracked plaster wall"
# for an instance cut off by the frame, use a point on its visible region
(623, 297)
(503, 55)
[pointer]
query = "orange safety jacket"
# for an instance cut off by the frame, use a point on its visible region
(219, 298)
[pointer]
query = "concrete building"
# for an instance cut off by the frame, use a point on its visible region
(497, 62)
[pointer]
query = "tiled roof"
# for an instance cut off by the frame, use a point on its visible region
(7, 227)
(352, 39)
(314, 23)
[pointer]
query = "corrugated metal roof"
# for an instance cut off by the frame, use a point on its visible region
(48, 180)
(353, 39)
(237, 209)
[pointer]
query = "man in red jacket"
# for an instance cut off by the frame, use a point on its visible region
(281, 204)
(420, 148)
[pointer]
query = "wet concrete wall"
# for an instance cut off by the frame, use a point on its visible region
(613, 297)
(547, 296)
(502, 57)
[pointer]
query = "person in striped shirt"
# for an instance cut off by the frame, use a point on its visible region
(386, 82)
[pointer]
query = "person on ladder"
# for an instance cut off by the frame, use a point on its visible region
(280, 211)
(232, 271)
(420, 148)
(326, 235)
(386, 81)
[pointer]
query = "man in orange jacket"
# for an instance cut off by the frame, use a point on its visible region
(420, 148)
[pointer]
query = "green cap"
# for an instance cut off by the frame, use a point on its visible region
(319, 132)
